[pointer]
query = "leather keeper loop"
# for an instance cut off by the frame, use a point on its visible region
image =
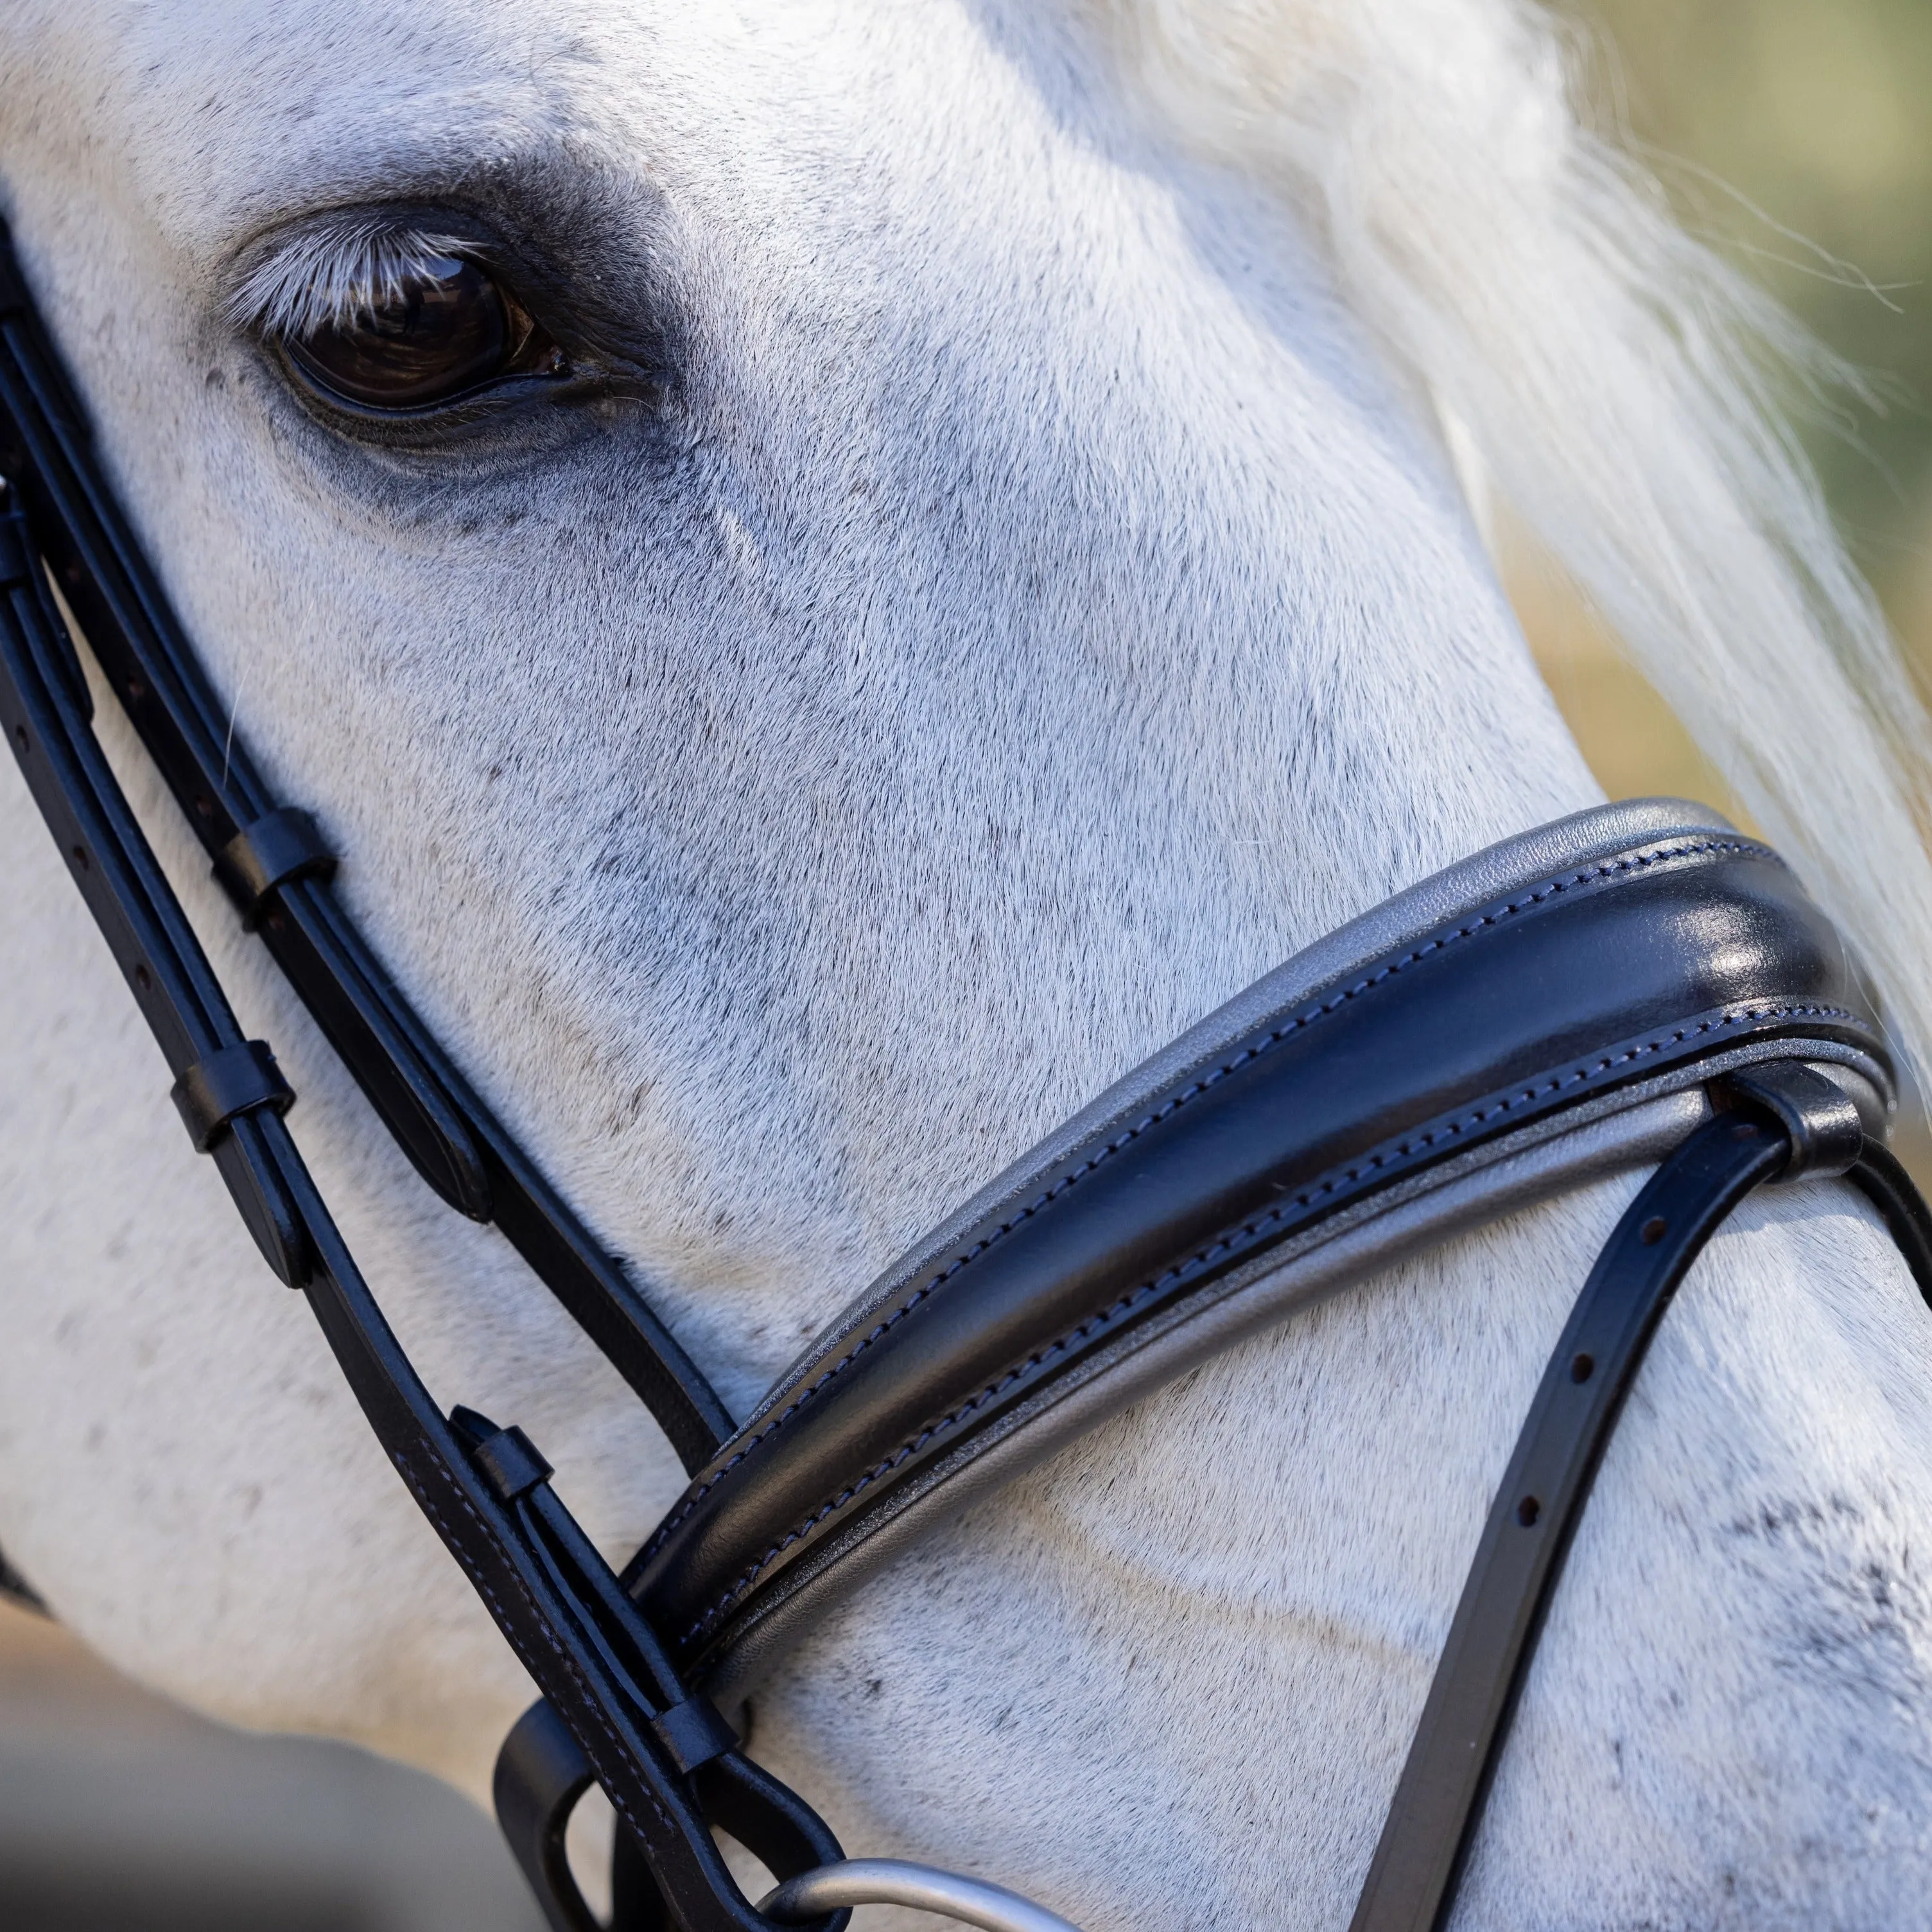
(235, 1080)
(281, 845)
(693, 1733)
(511, 1463)
(1827, 1135)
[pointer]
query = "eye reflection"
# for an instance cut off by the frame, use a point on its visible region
(449, 329)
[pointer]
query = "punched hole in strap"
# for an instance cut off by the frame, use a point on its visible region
(234, 1081)
(279, 847)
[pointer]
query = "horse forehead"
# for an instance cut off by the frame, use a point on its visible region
(236, 108)
(1040, 417)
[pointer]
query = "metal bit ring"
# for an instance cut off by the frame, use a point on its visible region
(895, 1882)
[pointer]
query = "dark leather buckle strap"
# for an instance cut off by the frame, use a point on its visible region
(556, 1601)
(46, 724)
(669, 1771)
(1795, 1124)
(541, 1771)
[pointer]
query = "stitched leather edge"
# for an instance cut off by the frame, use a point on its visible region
(1252, 1048)
(1230, 1242)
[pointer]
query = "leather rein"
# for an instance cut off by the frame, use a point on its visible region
(1635, 986)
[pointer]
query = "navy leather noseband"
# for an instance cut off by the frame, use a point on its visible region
(1637, 986)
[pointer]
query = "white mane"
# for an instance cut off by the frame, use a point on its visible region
(1619, 385)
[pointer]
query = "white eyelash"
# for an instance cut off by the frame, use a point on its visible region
(335, 275)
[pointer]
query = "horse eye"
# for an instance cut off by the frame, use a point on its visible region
(449, 329)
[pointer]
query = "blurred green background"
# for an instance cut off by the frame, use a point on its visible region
(1819, 113)
(1795, 136)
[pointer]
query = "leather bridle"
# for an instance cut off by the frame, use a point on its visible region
(1636, 984)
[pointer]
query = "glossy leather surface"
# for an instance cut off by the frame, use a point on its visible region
(1634, 964)
(1783, 1123)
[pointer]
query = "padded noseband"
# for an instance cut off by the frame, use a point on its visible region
(1554, 1007)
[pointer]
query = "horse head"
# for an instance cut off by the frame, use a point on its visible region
(839, 573)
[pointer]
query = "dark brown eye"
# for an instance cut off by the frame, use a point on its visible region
(451, 329)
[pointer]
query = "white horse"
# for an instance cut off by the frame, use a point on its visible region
(994, 582)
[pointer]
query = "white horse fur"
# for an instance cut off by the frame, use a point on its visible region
(1036, 601)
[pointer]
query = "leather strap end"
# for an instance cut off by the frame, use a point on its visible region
(511, 1463)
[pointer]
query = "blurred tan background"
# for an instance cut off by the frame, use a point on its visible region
(1796, 136)
(120, 1814)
